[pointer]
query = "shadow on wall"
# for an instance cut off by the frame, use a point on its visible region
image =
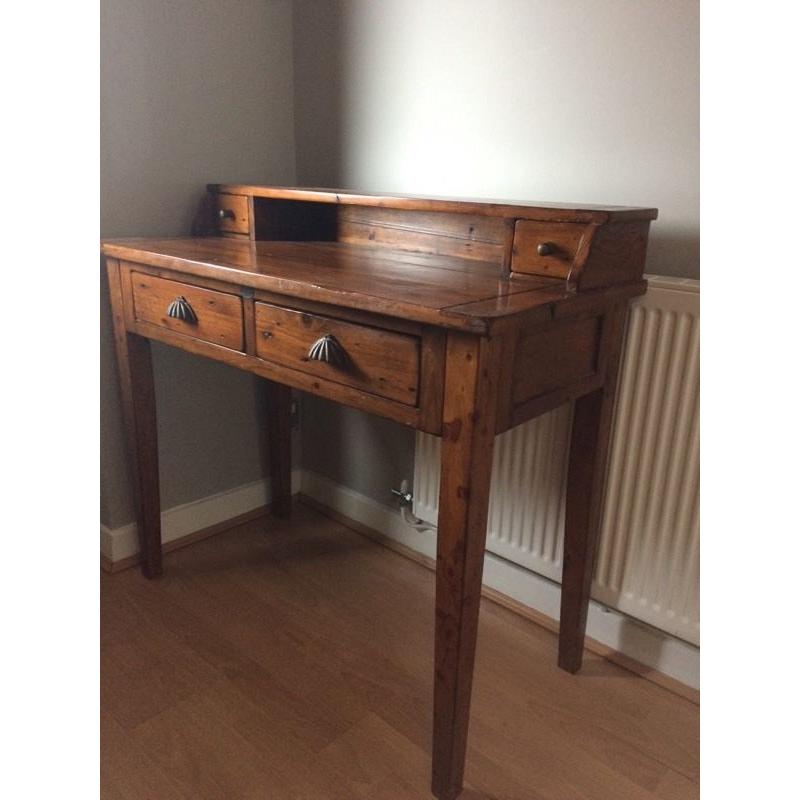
(366, 453)
(320, 97)
(672, 252)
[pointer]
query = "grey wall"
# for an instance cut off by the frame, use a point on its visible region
(192, 91)
(560, 100)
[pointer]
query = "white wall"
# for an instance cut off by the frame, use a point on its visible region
(192, 91)
(562, 100)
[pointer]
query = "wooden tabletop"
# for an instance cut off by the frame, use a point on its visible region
(444, 290)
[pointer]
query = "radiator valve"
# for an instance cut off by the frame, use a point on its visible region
(406, 498)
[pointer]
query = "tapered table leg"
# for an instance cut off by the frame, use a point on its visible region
(467, 440)
(139, 411)
(588, 457)
(279, 436)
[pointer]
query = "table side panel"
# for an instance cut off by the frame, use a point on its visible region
(563, 353)
(552, 364)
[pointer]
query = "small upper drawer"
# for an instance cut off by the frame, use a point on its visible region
(205, 314)
(232, 213)
(384, 363)
(546, 248)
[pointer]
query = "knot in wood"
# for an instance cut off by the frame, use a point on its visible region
(452, 430)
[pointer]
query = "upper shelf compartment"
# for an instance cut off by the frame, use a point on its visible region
(588, 246)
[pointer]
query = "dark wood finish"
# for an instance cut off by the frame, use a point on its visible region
(419, 287)
(380, 362)
(528, 310)
(588, 454)
(137, 393)
(462, 235)
(128, 268)
(431, 394)
(468, 425)
(279, 443)
(341, 393)
(347, 314)
(565, 212)
(458, 318)
(563, 353)
(549, 248)
(232, 213)
(219, 315)
(249, 321)
(617, 255)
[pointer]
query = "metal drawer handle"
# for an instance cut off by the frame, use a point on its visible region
(179, 308)
(327, 349)
(546, 249)
(226, 213)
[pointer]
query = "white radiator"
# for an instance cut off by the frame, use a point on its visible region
(648, 560)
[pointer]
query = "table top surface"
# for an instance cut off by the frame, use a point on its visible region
(446, 290)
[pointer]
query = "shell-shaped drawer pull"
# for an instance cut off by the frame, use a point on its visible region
(329, 350)
(179, 308)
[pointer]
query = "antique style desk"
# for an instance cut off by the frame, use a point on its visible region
(461, 319)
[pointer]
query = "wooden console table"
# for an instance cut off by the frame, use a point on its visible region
(461, 319)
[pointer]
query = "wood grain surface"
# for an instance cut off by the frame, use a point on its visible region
(137, 395)
(378, 361)
(568, 212)
(232, 213)
(413, 286)
(219, 314)
(472, 369)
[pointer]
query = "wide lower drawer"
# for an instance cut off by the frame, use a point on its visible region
(205, 314)
(384, 363)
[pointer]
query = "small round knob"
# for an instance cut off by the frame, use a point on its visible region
(546, 249)
(226, 213)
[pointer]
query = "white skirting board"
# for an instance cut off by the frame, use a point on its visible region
(647, 645)
(120, 543)
(651, 647)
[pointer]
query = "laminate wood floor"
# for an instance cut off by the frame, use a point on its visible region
(294, 660)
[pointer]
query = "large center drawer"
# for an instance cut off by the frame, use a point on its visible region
(382, 362)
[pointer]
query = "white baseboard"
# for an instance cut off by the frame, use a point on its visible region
(653, 648)
(117, 544)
